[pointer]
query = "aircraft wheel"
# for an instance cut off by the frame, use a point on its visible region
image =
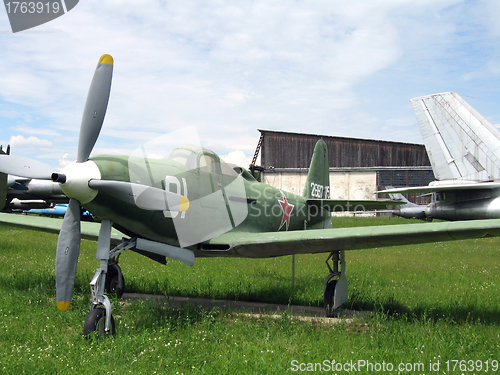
(115, 282)
(96, 321)
(328, 297)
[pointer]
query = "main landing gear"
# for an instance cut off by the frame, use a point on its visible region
(115, 282)
(335, 284)
(109, 278)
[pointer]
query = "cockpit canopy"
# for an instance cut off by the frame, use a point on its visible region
(205, 160)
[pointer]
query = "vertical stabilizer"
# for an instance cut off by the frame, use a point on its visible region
(400, 197)
(318, 178)
(461, 143)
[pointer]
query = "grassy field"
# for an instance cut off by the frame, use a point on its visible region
(433, 304)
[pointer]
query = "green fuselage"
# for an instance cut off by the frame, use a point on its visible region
(250, 207)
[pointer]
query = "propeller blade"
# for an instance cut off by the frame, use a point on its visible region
(24, 167)
(95, 107)
(68, 249)
(144, 197)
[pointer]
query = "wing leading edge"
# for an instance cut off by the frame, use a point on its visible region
(89, 230)
(443, 187)
(272, 244)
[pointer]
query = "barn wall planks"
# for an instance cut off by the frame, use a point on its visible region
(294, 150)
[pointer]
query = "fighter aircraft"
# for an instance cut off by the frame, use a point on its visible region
(192, 204)
(464, 149)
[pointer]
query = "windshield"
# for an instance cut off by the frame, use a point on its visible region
(202, 159)
(184, 157)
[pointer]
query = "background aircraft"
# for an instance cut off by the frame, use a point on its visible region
(19, 193)
(464, 150)
(58, 210)
(408, 209)
(54, 211)
(192, 204)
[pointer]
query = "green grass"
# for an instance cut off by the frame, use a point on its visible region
(429, 302)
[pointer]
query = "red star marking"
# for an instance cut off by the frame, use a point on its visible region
(287, 210)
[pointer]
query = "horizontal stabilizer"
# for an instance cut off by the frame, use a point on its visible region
(341, 205)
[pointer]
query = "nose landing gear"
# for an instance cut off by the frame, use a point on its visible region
(109, 278)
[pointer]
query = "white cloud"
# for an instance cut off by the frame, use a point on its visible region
(334, 68)
(64, 161)
(238, 158)
(31, 142)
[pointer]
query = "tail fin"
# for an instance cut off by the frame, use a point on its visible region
(318, 178)
(400, 197)
(461, 143)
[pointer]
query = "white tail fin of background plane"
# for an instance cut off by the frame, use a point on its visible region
(400, 197)
(461, 143)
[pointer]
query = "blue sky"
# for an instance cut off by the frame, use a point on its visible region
(229, 68)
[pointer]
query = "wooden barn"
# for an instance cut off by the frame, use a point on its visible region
(358, 167)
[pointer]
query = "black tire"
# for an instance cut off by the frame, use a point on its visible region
(328, 297)
(115, 282)
(96, 321)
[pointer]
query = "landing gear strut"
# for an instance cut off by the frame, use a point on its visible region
(95, 319)
(336, 290)
(100, 318)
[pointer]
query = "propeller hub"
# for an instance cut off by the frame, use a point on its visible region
(76, 182)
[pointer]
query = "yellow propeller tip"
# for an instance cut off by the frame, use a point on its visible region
(63, 306)
(106, 59)
(184, 205)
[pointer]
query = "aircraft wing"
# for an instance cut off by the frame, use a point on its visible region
(461, 143)
(90, 230)
(271, 244)
(443, 187)
(353, 204)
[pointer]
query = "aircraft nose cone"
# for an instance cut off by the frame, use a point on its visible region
(74, 180)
